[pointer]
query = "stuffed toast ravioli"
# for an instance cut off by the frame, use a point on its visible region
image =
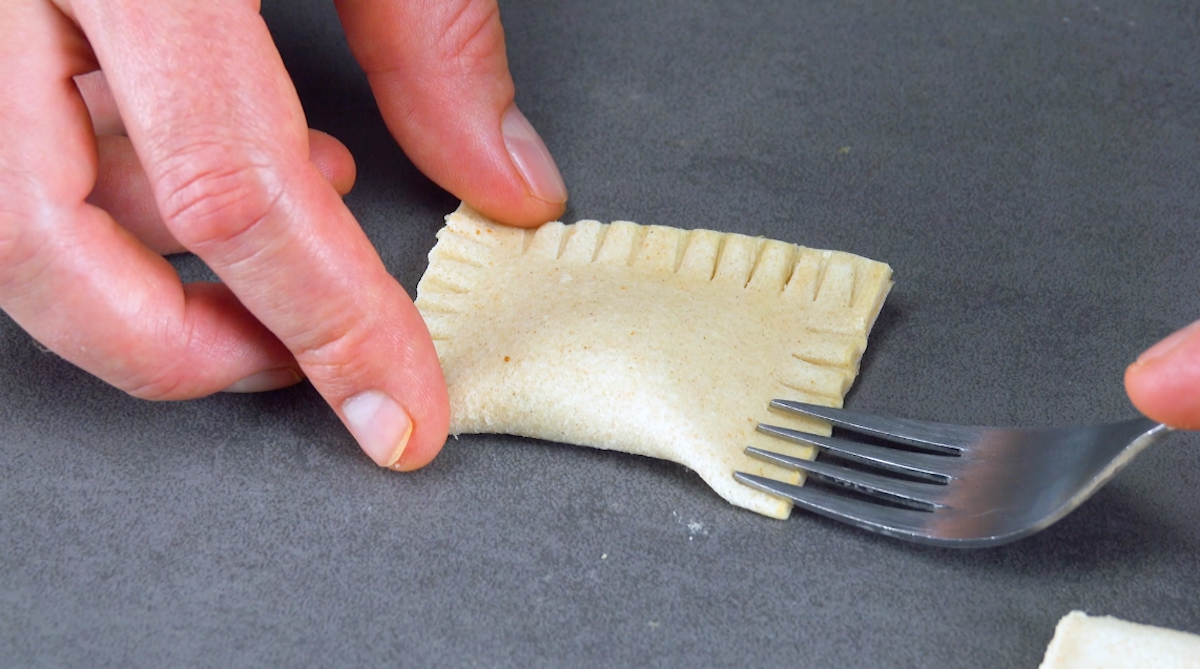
(646, 339)
(1085, 642)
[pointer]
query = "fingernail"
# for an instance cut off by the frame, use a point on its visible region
(1167, 345)
(532, 158)
(272, 379)
(381, 426)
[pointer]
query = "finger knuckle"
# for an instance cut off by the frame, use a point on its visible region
(23, 253)
(473, 35)
(154, 385)
(13, 253)
(212, 193)
(334, 357)
(15, 214)
(163, 367)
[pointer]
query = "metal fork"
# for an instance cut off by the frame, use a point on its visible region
(958, 486)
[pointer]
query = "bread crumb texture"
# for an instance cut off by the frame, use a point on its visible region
(651, 340)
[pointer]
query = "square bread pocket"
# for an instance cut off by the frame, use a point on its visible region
(1086, 642)
(651, 340)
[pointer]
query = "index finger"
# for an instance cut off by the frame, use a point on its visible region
(217, 125)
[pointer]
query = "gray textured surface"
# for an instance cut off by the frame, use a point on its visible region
(1032, 173)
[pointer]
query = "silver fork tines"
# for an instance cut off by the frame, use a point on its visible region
(964, 486)
(909, 493)
(920, 465)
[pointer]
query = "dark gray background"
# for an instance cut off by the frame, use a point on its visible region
(1030, 170)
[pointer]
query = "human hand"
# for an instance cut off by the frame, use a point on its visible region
(1164, 382)
(219, 161)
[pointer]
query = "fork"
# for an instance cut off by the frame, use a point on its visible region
(953, 485)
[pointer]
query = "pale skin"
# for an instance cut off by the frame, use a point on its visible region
(118, 145)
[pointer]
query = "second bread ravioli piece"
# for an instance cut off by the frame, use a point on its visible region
(646, 339)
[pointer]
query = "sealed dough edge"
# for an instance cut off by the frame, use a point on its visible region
(1084, 642)
(651, 340)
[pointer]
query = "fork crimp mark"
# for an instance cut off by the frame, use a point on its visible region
(938, 437)
(917, 494)
(931, 467)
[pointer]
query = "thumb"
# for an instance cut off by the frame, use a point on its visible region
(1164, 382)
(440, 75)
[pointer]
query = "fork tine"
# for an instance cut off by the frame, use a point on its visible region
(937, 468)
(939, 437)
(912, 493)
(907, 524)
